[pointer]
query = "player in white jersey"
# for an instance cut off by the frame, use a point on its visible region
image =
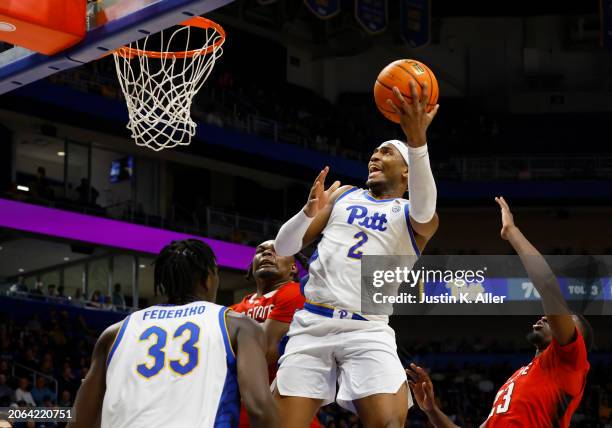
(183, 364)
(330, 342)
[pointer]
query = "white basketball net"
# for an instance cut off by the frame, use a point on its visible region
(159, 90)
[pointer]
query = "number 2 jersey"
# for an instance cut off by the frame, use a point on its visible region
(358, 225)
(546, 392)
(172, 366)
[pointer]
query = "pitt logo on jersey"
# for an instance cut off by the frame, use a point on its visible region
(376, 221)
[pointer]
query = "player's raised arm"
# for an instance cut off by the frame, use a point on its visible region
(88, 402)
(414, 120)
(423, 391)
(555, 307)
(248, 339)
(310, 221)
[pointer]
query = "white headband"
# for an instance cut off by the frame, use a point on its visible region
(401, 147)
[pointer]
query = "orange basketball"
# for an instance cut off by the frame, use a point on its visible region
(399, 73)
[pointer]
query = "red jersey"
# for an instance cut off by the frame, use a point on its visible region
(277, 305)
(546, 392)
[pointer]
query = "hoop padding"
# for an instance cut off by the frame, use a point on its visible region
(159, 85)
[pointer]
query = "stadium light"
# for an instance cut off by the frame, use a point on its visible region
(23, 188)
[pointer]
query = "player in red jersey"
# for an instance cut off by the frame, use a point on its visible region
(547, 391)
(277, 298)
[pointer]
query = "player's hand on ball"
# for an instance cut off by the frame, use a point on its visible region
(318, 197)
(421, 387)
(414, 118)
(507, 217)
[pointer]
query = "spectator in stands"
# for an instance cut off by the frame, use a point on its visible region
(40, 186)
(67, 381)
(88, 195)
(19, 286)
(96, 299)
(57, 333)
(49, 403)
(83, 371)
(22, 393)
(118, 299)
(33, 324)
(6, 352)
(6, 393)
(38, 288)
(78, 296)
(29, 359)
(41, 392)
(65, 399)
(51, 290)
(46, 366)
(108, 304)
(61, 294)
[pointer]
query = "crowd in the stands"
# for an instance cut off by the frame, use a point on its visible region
(42, 361)
(352, 126)
(56, 294)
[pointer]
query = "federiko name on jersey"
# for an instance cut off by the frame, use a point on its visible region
(160, 314)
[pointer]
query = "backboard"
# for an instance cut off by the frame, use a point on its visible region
(110, 24)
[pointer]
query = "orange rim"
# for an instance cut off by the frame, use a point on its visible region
(196, 21)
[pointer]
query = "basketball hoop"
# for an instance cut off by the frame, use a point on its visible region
(159, 86)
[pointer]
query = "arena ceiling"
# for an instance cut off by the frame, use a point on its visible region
(291, 22)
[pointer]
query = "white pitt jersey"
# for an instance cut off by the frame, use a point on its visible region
(358, 225)
(172, 366)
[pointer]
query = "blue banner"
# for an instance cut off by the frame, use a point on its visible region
(324, 9)
(415, 22)
(522, 289)
(606, 23)
(372, 15)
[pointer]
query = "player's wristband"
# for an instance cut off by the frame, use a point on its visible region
(421, 185)
(290, 236)
(417, 151)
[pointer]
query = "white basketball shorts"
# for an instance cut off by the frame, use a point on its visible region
(360, 356)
